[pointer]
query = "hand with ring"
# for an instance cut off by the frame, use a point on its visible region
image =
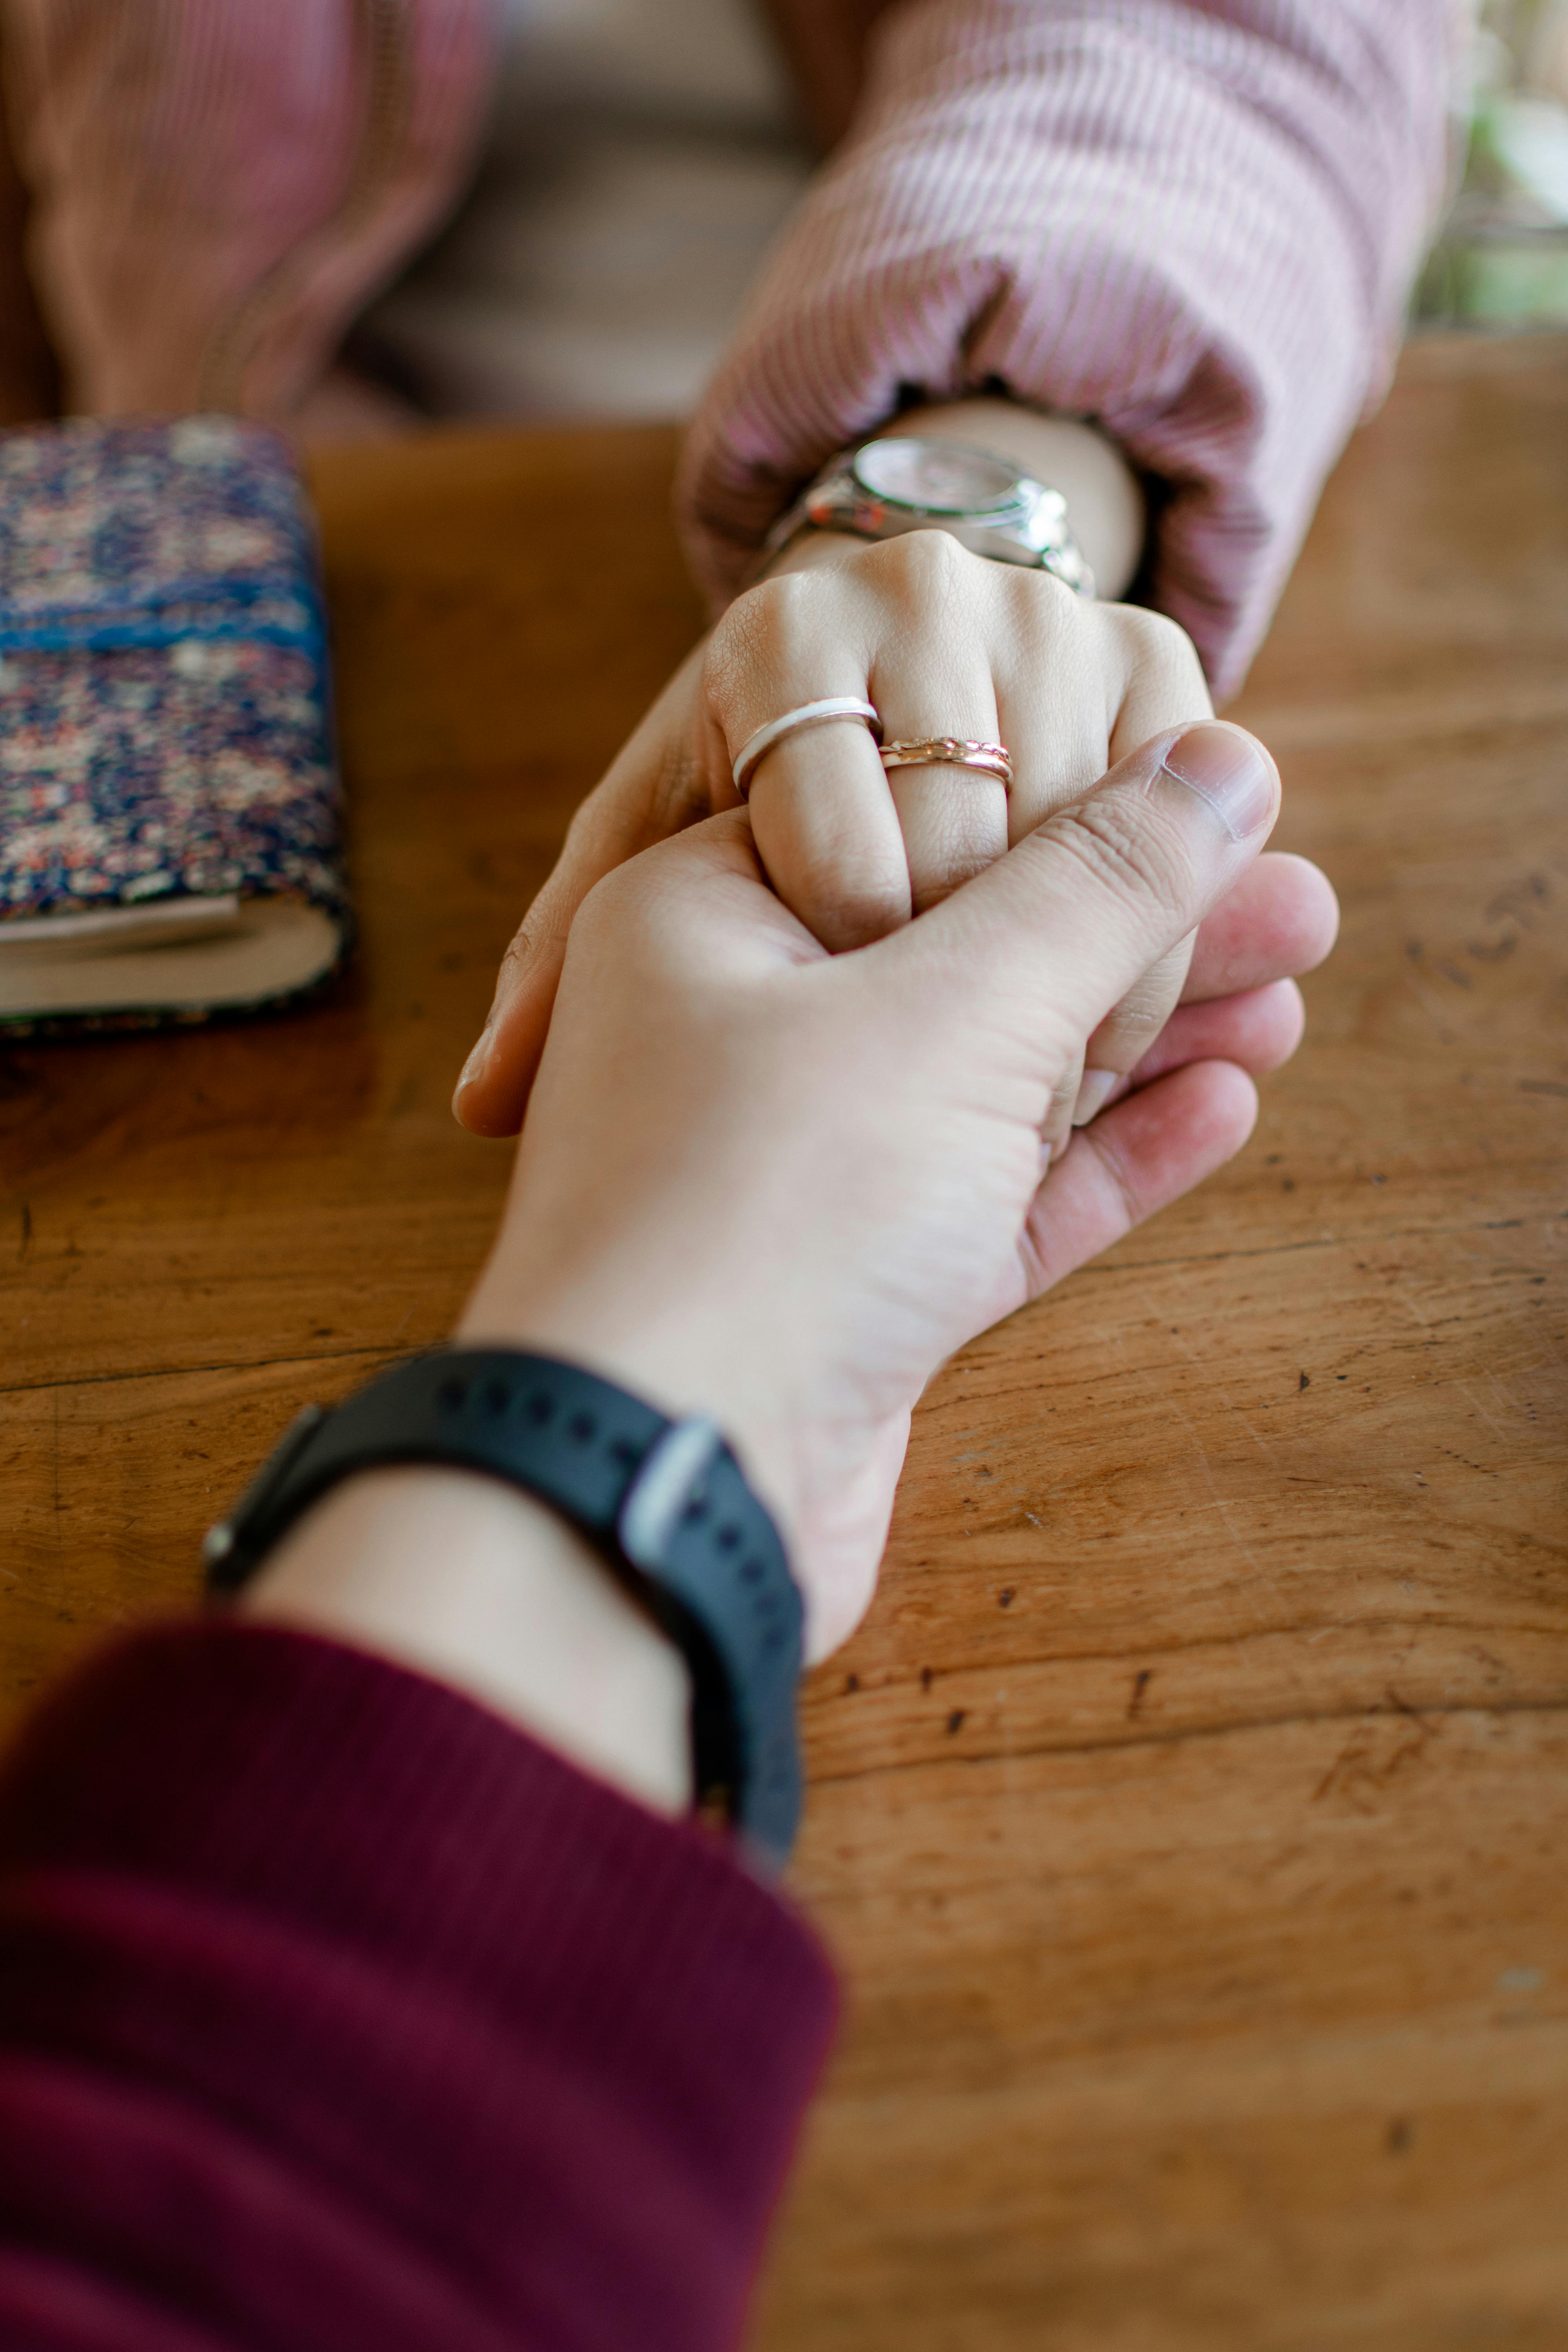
(970, 700)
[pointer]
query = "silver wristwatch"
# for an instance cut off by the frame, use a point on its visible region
(903, 483)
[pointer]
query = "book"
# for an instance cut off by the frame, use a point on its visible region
(170, 817)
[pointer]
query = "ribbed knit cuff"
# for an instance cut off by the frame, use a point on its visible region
(332, 1788)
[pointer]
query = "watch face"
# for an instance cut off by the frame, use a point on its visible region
(937, 476)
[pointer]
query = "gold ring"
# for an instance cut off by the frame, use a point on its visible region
(953, 751)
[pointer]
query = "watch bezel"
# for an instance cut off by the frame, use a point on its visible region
(1014, 497)
(1032, 529)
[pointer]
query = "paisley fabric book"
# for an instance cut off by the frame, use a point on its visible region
(169, 841)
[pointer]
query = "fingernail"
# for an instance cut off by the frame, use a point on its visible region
(1226, 768)
(1093, 1087)
(478, 1060)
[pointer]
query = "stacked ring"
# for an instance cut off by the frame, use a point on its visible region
(929, 752)
(808, 714)
(953, 751)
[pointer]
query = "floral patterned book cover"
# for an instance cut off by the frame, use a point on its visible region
(169, 835)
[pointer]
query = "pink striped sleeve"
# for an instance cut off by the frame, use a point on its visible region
(1196, 223)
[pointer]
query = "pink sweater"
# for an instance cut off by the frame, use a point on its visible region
(1192, 219)
(1196, 220)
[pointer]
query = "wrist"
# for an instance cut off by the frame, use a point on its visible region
(1104, 497)
(662, 1343)
(474, 1583)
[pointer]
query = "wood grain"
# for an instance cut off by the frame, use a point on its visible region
(1190, 1815)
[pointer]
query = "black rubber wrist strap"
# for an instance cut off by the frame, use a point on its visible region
(663, 1503)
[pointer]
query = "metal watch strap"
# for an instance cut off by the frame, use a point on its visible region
(1035, 534)
(663, 1501)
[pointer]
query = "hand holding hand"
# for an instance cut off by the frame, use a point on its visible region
(942, 643)
(781, 1186)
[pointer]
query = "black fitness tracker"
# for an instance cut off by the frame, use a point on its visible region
(664, 1502)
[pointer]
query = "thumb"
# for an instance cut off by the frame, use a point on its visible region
(1080, 909)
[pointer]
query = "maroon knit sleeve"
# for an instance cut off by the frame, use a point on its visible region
(334, 2011)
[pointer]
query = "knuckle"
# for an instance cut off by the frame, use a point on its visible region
(1039, 613)
(759, 628)
(1059, 632)
(927, 553)
(924, 568)
(1157, 644)
(1146, 629)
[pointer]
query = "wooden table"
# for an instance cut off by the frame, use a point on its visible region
(1192, 1814)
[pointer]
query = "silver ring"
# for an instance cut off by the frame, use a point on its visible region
(809, 714)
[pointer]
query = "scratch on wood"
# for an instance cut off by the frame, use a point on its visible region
(1367, 1763)
(1140, 1682)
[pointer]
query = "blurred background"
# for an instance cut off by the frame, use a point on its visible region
(642, 153)
(1502, 260)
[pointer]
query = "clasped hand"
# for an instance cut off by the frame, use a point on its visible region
(780, 1185)
(943, 643)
